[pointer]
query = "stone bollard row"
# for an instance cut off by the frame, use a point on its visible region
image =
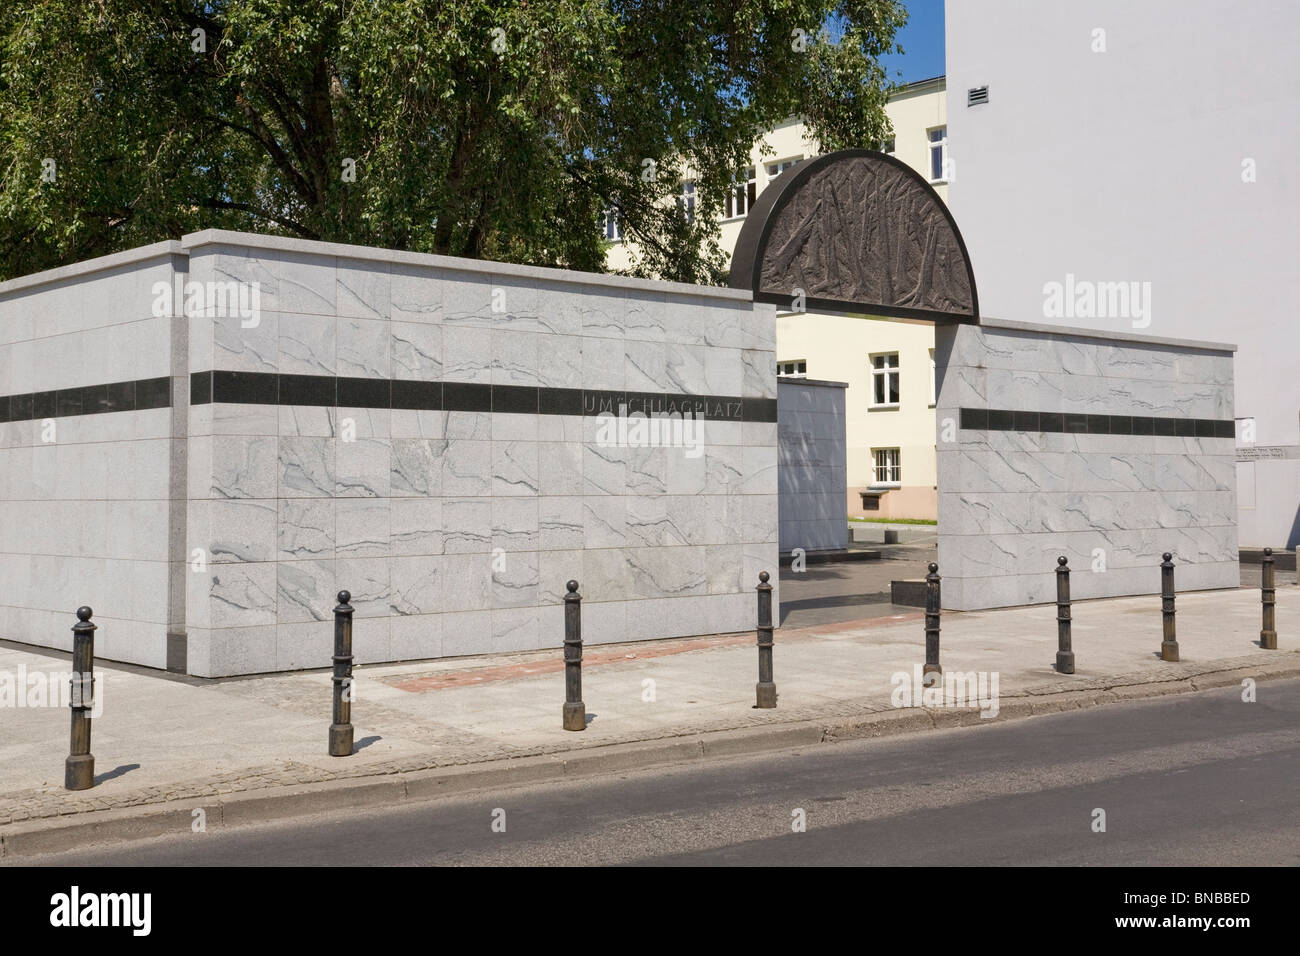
(1168, 596)
(79, 769)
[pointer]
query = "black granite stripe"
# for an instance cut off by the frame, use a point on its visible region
(121, 396)
(201, 388)
(1001, 421)
(759, 409)
(153, 393)
(559, 401)
(520, 399)
(139, 395)
(286, 389)
(466, 397)
(725, 408)
(595, 402)
(94, 399)
(647, 403)
(245, 388)
(363, 393)
(417, 396)
(315, 390)
(992, 419)
(67, 402)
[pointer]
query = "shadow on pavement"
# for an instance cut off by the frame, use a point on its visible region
(116, 772)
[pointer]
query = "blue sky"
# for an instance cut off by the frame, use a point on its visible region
(922, 42)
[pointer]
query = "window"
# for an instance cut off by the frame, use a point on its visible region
(932, 379)
(686, 201)
(938, 154)
(776, 169)
(611, 227)
(797, 369)
(889, 467)
(741, 197)
(884, 380)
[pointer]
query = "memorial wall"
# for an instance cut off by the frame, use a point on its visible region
(206, 440)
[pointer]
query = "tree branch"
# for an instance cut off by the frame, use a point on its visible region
(246, 207)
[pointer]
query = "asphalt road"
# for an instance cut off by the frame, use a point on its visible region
(1191, 780)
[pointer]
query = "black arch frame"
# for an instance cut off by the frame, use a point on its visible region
(747, 258)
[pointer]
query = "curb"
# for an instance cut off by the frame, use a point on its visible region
(56, 834)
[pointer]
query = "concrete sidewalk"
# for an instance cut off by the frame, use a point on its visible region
(163, 739)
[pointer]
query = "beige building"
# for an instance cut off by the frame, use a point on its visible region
(888, 364)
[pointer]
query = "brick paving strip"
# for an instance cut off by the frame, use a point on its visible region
(476, 752)
(645, 651)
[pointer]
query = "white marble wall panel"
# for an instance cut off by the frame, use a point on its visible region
(1011, 502)
(458, 529)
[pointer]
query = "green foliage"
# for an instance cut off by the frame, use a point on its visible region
(490, 130)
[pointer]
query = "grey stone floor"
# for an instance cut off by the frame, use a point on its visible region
(850, 590)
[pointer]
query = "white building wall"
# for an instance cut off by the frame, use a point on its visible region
(1130, 163)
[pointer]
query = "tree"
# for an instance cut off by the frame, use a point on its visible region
(463, 127)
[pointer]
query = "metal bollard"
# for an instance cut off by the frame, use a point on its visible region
(765, 688)
(1268, 597)
(1169, 646)
(1064, 650)
(341, 729)
(79, 768)
(575, 711)
(932, 605)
